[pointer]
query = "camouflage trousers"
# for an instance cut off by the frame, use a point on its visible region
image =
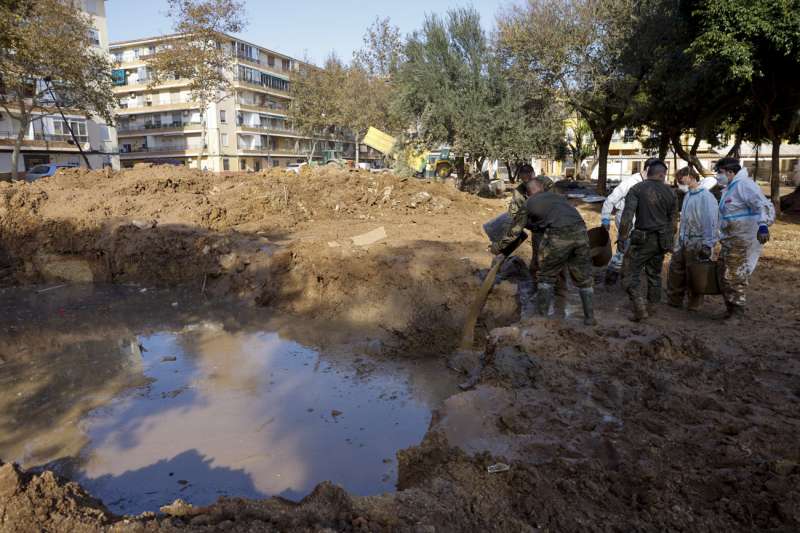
(565, 248)
(678, 278)
(647, 255)
(735, 270)
(561, 282)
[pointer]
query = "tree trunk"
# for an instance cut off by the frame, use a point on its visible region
(603, 142)
(24, 122)
(204, 132)
(512, 177)
(358, 150)
(757, 168)
(775, 179)
(690, 158)
(736, 149)
(663, 146)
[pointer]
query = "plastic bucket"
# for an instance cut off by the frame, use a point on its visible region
(600, 244)
(704, 278)
(495, 229)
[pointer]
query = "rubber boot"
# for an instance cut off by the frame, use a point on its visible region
(544, 298)
(639, 309)
(587, 296)
(734, 312)
(612, 276)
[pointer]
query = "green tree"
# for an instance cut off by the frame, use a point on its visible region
(759, 43)
(50, 39)
(197, 53)
(442, 87)
(581, 50)
(317, 93)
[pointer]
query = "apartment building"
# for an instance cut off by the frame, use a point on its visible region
(48, 139)
(247, 129)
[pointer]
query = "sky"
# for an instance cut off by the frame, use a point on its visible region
(299, 28)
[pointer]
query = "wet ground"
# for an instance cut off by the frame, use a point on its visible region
(146, 396)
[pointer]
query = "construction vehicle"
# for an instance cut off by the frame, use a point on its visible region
(435, 163)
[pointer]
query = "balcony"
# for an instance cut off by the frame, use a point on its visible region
(265, 150)
(138, 106)
(268, 130)
(158, 128)
(164, 149)
(45, 141)
(244, 84)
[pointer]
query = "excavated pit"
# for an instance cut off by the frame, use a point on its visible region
(195, 401)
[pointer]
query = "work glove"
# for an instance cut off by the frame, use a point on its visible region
(606, 223)
(494, 248)
(763, 234)
(705, 253)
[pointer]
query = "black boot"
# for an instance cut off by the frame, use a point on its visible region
(639, 309)
(544, 297)
(587, 296)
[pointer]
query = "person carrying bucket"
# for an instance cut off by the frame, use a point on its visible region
(517, 222)
(565, 244)
(697, 236)
(746, 215)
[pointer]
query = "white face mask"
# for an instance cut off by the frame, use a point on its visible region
(683, 188)
(722, 179)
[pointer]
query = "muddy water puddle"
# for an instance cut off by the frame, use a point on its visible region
(145, 398)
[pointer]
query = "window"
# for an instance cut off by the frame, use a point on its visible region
(629, 136)
(61, 131)
(94, 37)
(286, 64)
(118, 57)
(242, 164)
(222, 118)
(223, 139)
(226, 164)
(271, 60)
(276, 163)
(257, 166)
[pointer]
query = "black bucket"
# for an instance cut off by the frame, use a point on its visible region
(600, 244)
(496, 229)
(704, 277)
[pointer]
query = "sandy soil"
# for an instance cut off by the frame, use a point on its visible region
(681, 423)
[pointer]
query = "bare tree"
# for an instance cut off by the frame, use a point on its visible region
(198, 54)
(50, 39)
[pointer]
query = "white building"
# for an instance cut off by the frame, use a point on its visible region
(48, 139)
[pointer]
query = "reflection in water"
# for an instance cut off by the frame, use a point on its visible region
(197, 412)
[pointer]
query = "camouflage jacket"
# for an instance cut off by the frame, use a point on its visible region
(518, 218)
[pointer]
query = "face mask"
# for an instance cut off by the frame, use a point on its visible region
(722, 179)
(683, 188)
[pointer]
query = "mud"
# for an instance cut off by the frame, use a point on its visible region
(679, 423)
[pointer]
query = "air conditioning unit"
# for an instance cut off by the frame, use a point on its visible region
(185, 112)
(132, 95)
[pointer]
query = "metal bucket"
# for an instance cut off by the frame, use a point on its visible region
(496, 229)
(600, 243)
(704, 277)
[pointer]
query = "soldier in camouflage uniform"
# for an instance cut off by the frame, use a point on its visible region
(565, 244)
(518, 216)
(652, 204)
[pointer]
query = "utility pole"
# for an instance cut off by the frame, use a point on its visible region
(47, 81)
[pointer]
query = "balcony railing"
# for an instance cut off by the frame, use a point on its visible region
(158, 149)
(268, 129)
(157, 127)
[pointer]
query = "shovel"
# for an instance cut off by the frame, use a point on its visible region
(468, 333)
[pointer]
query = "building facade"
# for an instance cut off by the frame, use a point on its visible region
(246, 129)
(48, 139)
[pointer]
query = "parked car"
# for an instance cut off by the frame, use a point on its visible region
(295, 167)
(43, 171)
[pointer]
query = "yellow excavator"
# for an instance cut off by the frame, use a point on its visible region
(439, 163)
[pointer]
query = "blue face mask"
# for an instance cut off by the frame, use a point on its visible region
(722, 179)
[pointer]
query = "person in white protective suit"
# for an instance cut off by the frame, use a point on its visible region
(614, 206)
(697, 236)
(745, 217)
